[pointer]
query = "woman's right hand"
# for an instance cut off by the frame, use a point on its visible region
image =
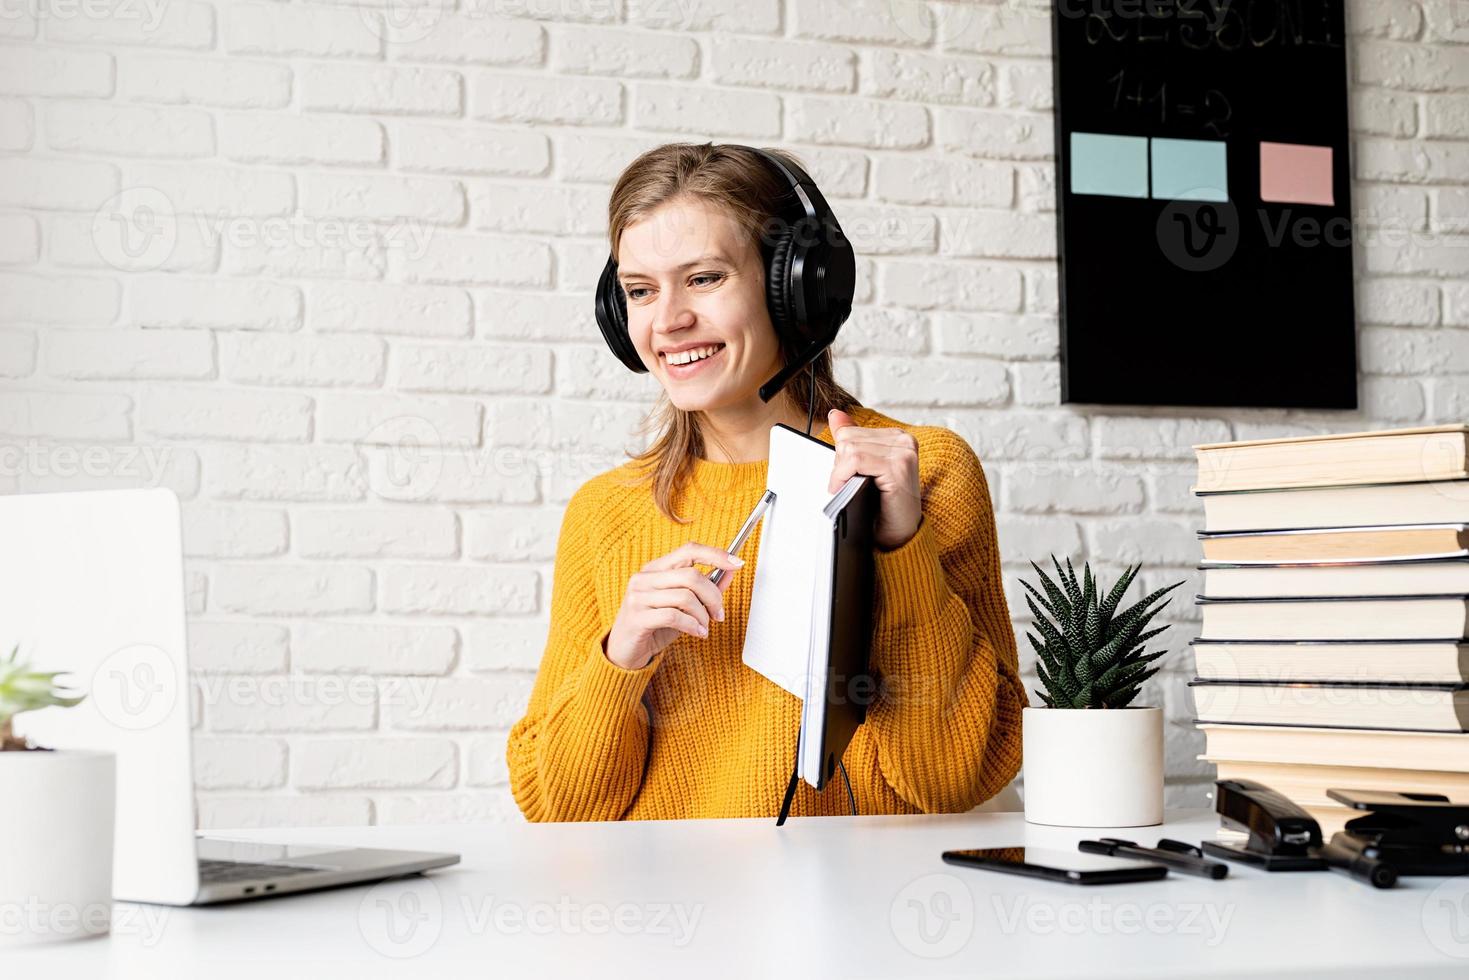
(666, 597)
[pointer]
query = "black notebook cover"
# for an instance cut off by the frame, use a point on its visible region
(849, 686)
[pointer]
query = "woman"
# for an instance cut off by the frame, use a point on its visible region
(642, 707)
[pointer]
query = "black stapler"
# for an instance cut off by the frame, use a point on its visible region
(1283, 837)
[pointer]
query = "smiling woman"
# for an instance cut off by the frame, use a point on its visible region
(701, 242)
(642, 707)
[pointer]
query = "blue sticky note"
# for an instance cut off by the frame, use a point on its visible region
(1189, 170)
(1113, 165)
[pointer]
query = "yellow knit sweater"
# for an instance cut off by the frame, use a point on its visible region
(696, 733)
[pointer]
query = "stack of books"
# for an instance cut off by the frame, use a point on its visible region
(1334, 649)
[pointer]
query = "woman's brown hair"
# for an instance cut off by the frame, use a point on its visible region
(758, 198)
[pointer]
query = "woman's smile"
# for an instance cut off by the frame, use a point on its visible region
(680, 372)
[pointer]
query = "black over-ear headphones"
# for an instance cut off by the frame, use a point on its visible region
(810, 275)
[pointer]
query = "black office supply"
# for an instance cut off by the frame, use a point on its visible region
(1175, 854)
(1416, 833)
(1033, 862)
(846, 626)
(846, 683)
(1283, 837)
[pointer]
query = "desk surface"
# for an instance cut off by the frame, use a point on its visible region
(822, 896)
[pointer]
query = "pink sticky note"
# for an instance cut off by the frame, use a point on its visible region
(1294, 173)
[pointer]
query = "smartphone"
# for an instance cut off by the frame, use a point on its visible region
(1067, 866)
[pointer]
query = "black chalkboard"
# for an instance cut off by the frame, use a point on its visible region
(1183, 301)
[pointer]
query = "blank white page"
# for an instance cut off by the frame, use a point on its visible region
(778, 637)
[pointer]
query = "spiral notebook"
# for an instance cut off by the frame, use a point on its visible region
(810, 626)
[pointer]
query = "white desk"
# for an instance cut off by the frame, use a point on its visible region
(822, 896)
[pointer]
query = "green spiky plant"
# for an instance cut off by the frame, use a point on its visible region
(1093, 656)
(23, 689)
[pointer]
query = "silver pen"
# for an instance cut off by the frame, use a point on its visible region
(717, 575)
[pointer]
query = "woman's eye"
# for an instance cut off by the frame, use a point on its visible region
(711, 277)
(635, 292)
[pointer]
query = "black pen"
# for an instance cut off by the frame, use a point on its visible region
(1174, 853)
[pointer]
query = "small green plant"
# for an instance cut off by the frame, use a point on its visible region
(22, 689)
(1093, 656)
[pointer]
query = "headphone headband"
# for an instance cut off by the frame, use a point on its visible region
(812, 202)
(810, 278)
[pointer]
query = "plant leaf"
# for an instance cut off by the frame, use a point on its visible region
(1109, 605)
(1058, 598)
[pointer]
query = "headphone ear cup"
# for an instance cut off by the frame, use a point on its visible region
(778, 286)
(612, 319)
(825, 281)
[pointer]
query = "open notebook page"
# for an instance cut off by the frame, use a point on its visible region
(792, 536)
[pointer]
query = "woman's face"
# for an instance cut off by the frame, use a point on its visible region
(695, 281)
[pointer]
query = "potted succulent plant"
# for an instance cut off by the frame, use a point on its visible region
(55, 823)
(1092, 758)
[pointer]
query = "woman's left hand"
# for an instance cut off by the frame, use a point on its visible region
(890, 457)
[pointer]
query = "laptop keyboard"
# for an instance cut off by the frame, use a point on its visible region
(219, 871)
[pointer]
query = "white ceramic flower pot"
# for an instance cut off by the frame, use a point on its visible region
(1093, 767)
(56, 812)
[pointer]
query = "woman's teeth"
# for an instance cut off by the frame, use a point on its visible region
(696, 354)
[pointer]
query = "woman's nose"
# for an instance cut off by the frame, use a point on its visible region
(673, 312)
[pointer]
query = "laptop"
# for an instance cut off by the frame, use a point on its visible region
(93, 584)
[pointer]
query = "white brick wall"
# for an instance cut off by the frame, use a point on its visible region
(351, 322)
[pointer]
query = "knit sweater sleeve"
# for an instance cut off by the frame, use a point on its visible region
(580, 750)
(944, 728)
